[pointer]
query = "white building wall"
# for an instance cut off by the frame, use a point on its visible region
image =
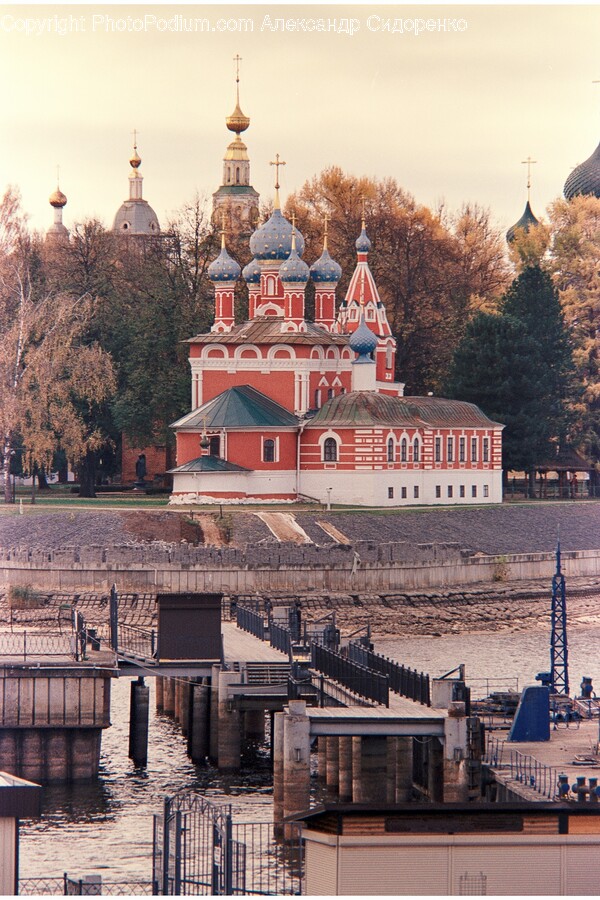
(371, 487)
(242, 484)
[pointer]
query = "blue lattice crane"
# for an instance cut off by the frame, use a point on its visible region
(559, 657)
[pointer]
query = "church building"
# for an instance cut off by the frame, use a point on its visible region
(284, 409)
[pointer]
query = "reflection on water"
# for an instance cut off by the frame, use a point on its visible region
(108, 825)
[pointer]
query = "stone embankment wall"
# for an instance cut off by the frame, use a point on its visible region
(364, 566)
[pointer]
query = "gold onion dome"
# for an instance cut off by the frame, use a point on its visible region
(136, 160)
(237, 121)
(57, 199)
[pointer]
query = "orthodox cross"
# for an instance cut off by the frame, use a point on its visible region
(529, 162)
(277, 163)
(326, 220)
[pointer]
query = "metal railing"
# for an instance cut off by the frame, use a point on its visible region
(280, 638)
(402, 680)
(359, 679)
(137, 641)
(251, 621)
(524, 769)
(482, 688)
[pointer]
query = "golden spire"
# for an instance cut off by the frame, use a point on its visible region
(277, 163)
(529, 162)
(223, 230)
(237, 121)
(135, 160)
(294, 232)
(363, 223)
(326, 221)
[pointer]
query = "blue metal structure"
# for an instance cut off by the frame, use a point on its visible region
(559, 660)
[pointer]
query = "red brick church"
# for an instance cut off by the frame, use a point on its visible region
(285, 409)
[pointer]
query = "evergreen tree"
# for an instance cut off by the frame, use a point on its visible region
(517, 366)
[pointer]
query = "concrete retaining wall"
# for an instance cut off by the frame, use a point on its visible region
(364, 567)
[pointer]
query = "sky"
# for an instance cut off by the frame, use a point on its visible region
(450, 114)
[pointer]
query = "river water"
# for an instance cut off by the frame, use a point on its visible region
(107, 827)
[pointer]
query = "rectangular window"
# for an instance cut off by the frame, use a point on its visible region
(438, 449)
(403, 493)
(416, 491)
(474, 449)
(473, 490)
(461, 490)
(486, 449)
(450, 450)
(461, 449)
(450, 490)
(438, 491)
(486, 490)
(269, 450)
(329, 393)
(390, 493)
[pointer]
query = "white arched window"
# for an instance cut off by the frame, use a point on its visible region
(403, 450)
(390, 449)
(416, 450)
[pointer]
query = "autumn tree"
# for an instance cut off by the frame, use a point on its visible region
(51, 375)
(574, 262)
(433, 270)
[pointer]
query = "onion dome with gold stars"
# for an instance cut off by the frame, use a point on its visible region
(224, 268)
(363, 244)
(273, 240)
(251, 272)
(363, 341)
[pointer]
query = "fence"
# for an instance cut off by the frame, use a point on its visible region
(280, 638)
(372, 685)
(199, 849)
(25, 644)
(523, 768)
(251, 621)
(68, 886)
(402, 680)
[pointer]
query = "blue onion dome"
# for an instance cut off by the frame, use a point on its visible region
(251, 272)
(363, 341)
(294, 269)
(585, 179)
(363, 244)
(325, 269)
(273, 240)
(224, 268)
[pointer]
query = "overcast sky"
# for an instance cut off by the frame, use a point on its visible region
(450, 115)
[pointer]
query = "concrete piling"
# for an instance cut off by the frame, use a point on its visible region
(229, 743)
(138, 722)
(333, 765)
(404, 769)
(198, 728)
(296, 761)
(345, 769)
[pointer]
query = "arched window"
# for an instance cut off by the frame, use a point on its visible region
(403, 450)
(388, 357)
(237, 175)
(215, 445)
(269, 450)
(390, 450)
(330, 450)
(416, 449)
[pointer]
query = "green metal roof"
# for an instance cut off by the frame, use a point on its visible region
(236, 189)
(238, 407)
(368, 408)
(208, 464)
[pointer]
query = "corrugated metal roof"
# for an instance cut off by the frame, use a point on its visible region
(238, 407)
(270, 330)
(208, 464)
(363, 408)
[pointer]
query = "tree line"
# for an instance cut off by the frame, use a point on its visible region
(93, 329)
